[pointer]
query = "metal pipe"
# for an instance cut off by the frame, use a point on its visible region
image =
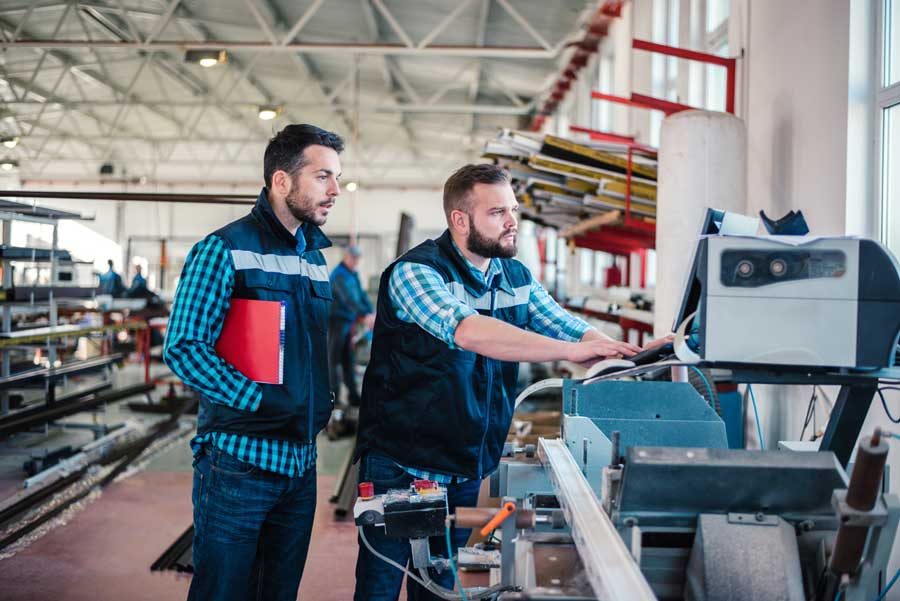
(610, 567)
(132, 196)
(862, 494)
(477, 517)
(518, 52)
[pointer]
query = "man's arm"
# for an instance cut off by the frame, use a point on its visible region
(547, 317)
(499, 340)
(201, 302)
(423, 298)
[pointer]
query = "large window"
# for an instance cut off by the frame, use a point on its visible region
(601, 112)
(887, 99)
(663, 69)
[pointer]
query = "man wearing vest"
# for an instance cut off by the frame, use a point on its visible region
(454, 318)
(254, 489)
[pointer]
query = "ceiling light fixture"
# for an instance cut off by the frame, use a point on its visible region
(269, 112)
(351, 186)
(8, 164)
(206, 58)
(9, 141)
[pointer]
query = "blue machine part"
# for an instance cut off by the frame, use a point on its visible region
(663, 414)
(733, 415)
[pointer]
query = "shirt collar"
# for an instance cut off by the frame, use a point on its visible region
(493, 274)
(308, 237)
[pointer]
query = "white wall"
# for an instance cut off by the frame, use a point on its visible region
(796, 99)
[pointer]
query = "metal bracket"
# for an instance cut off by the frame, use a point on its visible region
(752, 519)
(848, 516)
(421, 554)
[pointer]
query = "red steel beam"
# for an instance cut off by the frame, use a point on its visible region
(666, 106)
(730, 64)
(643, 102)
(693, 55)
(602, 135)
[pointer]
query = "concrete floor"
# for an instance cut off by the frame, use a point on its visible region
(106, 549)
(105, 552)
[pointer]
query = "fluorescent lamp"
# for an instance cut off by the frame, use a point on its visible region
(206, 57)
(269, 112)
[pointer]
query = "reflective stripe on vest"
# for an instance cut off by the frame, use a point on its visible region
(286, 264)
(503, 300)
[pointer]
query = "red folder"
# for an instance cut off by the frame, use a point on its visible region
(252, 339)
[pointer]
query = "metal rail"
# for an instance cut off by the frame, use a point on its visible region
(611, 570)
(14, 423)
(56, 372)
(28, 337)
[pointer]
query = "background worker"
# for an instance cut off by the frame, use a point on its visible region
(138, 288)
(350, 304)
(111, 282)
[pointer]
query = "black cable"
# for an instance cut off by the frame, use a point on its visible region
(810, 409)
(884, 402)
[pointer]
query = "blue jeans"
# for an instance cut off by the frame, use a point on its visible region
(379, 581)
(251, 529)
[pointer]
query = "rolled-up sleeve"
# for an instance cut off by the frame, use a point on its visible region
(421, 297)
(546, 317)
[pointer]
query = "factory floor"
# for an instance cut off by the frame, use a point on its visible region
(105, 548)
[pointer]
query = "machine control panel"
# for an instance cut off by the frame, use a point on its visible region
(415, 512)
(755, 268)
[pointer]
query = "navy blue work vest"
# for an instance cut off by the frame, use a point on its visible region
(431, 407)
(268, 267)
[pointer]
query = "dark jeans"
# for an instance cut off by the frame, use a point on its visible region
(379, 581)
(251, 529)
(342, 355)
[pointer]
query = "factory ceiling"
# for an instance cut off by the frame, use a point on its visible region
(415, 86)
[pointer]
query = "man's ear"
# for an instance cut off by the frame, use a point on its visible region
(281, 183)
(459, 221)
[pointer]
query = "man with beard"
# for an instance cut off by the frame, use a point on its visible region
(254, 489)
(454, 318)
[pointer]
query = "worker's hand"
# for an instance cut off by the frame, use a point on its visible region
(591, 351)
(369, 321)
(659, 342)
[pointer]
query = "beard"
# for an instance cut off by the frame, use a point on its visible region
(303, 207)
(489, 248)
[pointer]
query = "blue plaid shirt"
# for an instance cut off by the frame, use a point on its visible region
(422, 298)
(201, 302)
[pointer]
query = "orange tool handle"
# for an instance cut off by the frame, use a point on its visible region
(507, 510)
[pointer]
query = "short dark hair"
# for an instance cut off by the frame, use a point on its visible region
(109, 262)
(458, 187)
(285, 150)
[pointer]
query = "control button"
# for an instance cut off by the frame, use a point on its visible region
(778, 267)
(366, 490)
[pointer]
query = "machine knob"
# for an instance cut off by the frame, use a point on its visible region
(778, 267)
(745, 268)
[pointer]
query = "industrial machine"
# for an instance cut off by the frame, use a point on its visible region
(692, 519)
(641, 498)
(792, 300)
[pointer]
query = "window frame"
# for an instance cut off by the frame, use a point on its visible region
(886, 97)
